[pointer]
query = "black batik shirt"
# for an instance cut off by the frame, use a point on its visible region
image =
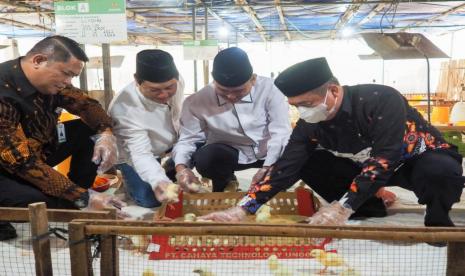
(370, 115)
(28, 121)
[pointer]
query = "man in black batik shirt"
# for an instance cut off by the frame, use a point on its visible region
(406, 151)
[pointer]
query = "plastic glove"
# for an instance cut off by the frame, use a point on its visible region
(332, 214)
(100, 201)
(188, 181)
(260, 174)
(388, 197)
(105, 151)
(165, 191)
(233, 214)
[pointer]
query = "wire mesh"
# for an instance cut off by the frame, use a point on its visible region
(17, 256)
(260, 255)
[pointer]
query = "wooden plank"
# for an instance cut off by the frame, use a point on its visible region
(456, 259)
(79, 250)
(54, 215)
(40, 239)
(450, 128)
(340, 232)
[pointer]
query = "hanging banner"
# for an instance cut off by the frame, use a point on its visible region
(200, 49)
(92, 21)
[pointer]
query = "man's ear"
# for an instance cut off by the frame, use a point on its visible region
(334, 89)
(38, 60)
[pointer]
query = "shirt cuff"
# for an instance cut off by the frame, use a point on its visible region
(249, 204)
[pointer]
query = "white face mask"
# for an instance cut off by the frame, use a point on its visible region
(317, 113)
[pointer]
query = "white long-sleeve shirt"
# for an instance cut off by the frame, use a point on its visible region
(145, 130)
(257, 126)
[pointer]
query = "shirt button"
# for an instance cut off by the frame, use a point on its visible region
(376, 92)
(18, 89)
(332, 126)
(361, 99)
(15, 66)
(6, 85)
(380, 117)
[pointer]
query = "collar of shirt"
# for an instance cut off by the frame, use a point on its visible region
(19, 79)
(246, 99)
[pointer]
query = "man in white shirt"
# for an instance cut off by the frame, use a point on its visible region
(241, 118)
(146, 115)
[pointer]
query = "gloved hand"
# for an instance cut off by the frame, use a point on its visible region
(332, 214)
(165, 191)
(188, 181)
(260, 174)
(233, 214)
(105, 151)
(388, 197)
(100, 201)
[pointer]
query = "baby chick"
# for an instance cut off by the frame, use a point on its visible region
(203, 272)
(263, 214)
(278, 269)
(327, 259)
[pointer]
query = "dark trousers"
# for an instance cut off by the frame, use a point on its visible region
(219, 162)
(16, 192)
(434, 176)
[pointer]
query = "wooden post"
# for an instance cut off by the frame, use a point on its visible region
(109, 261)
(206, 71)
(109, 256)
(79, 250)
(106, 60)
(456, 259)
(40, 239)
(83, 75)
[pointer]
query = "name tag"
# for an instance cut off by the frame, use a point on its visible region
(61, 133)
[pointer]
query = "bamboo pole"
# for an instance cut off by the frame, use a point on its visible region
(456, 259)
(40, 239)
(395, 234)
(79, 250)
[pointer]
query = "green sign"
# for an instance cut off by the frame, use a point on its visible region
(92, 21)
(200, 49)
(197, 43)
(89, 7)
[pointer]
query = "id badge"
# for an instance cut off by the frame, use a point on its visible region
(61, 133)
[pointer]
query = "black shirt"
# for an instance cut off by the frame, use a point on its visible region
(370, 115)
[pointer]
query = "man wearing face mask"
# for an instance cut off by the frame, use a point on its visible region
(405, 150)
(146, 115)
(241, 118)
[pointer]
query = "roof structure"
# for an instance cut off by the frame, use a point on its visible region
(171, 21)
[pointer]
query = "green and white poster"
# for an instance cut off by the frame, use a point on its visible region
(92, 21)
(200, 49)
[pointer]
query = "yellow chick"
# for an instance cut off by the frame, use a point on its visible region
(350, 272)
(273, 262)
(278, 269)
(203, 272)
(148, 272)
(263, 214)
(327, 259)
(140, 243)
(172, 192)
(190, 217)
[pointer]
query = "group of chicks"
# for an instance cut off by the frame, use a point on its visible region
(327, 259)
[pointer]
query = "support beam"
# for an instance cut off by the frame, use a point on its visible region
(282, 19)
(21, 24)
(346, 17)
(142, 20)
(253, 16)
(436, 17)
(372, 14)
